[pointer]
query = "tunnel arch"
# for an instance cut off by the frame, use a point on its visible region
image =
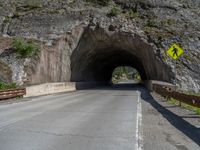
(100, 51)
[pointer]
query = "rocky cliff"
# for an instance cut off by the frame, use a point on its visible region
(145, 28)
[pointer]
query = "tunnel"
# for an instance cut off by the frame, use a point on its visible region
(100, 51)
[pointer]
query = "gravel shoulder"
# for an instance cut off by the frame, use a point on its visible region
(166, 126)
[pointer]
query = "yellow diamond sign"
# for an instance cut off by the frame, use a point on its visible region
(175, 51)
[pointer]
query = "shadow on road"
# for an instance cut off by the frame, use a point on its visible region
(105, 86)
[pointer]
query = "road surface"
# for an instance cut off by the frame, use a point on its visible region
(101, 119)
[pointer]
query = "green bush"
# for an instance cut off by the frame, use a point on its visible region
(25, 49)
(100, 2)
(115, 11)
(4, 86)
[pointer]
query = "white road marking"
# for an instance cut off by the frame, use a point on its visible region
(138, 144)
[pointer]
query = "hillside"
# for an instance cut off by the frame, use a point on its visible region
(58, 25)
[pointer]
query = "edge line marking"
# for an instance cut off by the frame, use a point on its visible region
(138, 144)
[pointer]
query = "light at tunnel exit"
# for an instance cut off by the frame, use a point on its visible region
(125, 74)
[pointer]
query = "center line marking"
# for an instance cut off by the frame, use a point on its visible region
(138, 144)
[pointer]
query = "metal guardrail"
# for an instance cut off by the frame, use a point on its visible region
(12, 93)
(169, 92)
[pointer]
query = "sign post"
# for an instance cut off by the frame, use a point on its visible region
(175, 51)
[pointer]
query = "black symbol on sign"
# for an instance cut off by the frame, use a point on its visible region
(175, 51)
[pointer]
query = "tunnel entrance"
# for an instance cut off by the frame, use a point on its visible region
(99, 52)
(125, 75)
(98, 66)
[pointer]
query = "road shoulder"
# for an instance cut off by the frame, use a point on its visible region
(168, 127)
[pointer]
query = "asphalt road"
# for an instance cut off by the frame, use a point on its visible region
(118, 118)
(104, 119)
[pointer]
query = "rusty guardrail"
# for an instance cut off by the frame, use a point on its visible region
(169, 91)
(12, 93)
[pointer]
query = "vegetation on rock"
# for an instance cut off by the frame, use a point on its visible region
(115, 11)
(33, 4)
(4, 86)
(25, 49)
(99, 2)
(132, 14)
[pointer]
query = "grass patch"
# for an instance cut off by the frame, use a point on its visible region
(185, 106)
(4, 86)
(25, 49)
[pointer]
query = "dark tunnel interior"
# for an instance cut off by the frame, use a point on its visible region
(99, 65)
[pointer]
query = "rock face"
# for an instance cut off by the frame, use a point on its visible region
(82, 41)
